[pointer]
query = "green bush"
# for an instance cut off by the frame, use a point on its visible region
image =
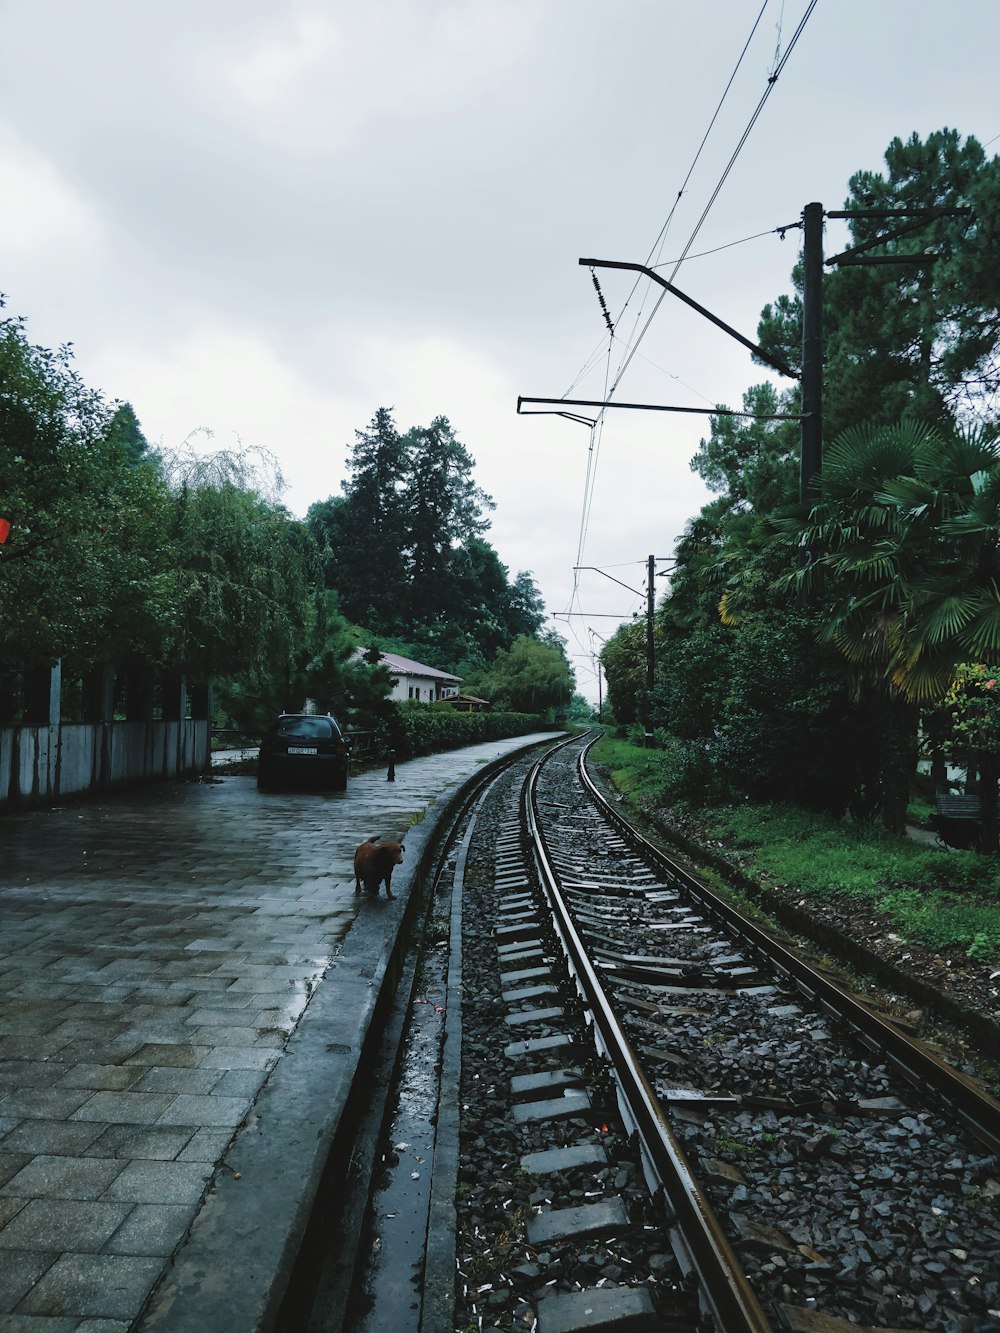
(941, 900)
(414, 729)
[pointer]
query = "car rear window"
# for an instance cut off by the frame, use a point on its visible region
(305, 728)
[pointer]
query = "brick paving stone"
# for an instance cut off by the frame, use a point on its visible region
(154, 1143)
(237, 1083)
(190, 1109)
(160, 1182)
(29, 1074)
(100, 1078)
(36, 1324)
(98, 1051)
(11, 1164)
(180, 1054)
(108, 1285)
(19, 1271)
(49, 1177)
(124, 1108)
(207, 1145)
(171, 1079)
(49, 1136)
(151, 1229)
(43, 1103)
(8, 1207)
(42, 1045)
(63, 1224)
(229, 1057)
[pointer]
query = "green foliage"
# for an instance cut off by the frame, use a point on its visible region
(405, 551)
(910, 341)
(943, 900)
(245, 576)
(623, 660)
(580, 710)
(84, 571)
(360, 533)
(906, 529)
(972, 706)
(442, 510)
(757, 710)
(413, 729)
(190, 564)
(533, 676)
(752, 462)
(902, 538)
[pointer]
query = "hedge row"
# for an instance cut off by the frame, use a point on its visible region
(414, 730)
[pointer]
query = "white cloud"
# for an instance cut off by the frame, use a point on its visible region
(234, 385)
(312, 84)
(41, 215)
(266, 71)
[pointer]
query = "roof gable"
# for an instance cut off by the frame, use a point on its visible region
(405, 666)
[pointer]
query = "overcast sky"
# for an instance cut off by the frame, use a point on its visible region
(269, 219)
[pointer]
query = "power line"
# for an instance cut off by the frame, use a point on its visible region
(771, 82)
(635, 339)
(772, 231)
(661, 238)
(602, 348)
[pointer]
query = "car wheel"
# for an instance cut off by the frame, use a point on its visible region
(339, 783)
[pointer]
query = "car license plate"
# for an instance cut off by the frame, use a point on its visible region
(302, 749)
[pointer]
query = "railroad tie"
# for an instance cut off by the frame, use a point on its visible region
(623, 1309)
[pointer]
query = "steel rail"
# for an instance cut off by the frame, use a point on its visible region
(724, 1287)
(978, 1111)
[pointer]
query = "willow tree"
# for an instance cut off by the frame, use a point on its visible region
(247, 579)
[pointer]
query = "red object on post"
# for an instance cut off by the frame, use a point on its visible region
(4, 530)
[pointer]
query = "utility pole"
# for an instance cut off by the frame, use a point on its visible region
(811, 449)
(650, 654)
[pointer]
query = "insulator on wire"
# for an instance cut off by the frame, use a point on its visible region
(604, 304)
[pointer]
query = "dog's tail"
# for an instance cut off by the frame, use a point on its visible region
(376, 838)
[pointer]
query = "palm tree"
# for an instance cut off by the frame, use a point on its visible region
(903, 542)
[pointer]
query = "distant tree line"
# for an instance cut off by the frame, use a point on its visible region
(405, 556)
(167, 564)
(809, 652)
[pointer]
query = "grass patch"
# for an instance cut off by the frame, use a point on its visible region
(946, 901)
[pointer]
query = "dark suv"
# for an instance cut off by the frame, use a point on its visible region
(304, 747)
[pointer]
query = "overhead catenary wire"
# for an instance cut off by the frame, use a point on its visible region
(771, 82)
(657, 246)
(635, 338)
(601, 350)
(597, 430)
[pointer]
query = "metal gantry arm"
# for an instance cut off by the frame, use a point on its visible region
(652, 274)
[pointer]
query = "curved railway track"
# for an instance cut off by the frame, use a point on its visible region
(661, 1118)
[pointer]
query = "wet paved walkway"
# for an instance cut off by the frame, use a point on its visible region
(157, 951)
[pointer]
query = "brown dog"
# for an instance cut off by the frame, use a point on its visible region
(373, 865)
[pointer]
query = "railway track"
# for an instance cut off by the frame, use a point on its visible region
(646, 1113)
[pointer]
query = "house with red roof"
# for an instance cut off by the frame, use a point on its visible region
(413, 680)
